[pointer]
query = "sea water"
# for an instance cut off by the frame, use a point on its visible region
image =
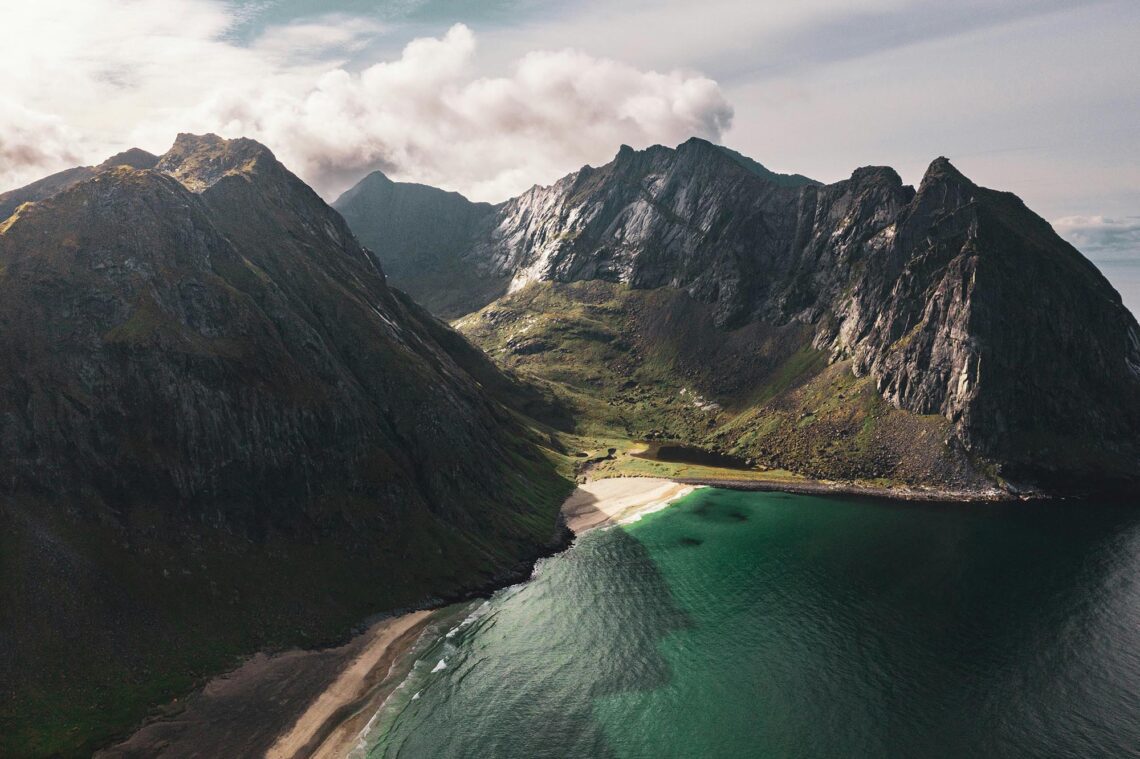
(770, 625)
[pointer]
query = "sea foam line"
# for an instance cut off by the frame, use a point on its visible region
(651, 508)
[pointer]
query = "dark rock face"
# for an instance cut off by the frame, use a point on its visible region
(416, 233)
(200, 360)
(958, 300)
(212, 329)
(980, 313)
(692, 218)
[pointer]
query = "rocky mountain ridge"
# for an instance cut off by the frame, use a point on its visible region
(957, 301)
(50, 185)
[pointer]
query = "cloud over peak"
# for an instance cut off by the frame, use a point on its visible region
(428, 116)
(154, 69)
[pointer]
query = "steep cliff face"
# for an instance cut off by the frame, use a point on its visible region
(978, 312)
(205, 378)
(957, 302)
(692, 218)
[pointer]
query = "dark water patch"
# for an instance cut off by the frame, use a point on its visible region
(522, 679)
(689, 541)
(678, 453)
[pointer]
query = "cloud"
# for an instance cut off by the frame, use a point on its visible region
(30, 141)
(427, 116)
(102, 75)
(98, 68)
(1102, 234)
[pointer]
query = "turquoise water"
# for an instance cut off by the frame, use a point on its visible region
(771, 625)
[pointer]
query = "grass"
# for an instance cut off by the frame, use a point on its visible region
(652, 364)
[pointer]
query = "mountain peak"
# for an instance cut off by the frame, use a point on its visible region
(136, 158)
(751, 165)
(199, 161)
(695, 142)
(942, 171)
(377, 177)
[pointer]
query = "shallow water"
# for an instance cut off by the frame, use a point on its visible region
(765, 624)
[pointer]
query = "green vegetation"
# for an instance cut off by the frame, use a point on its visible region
(639, 365)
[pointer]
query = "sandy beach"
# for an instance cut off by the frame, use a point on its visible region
(619, 499)
(326, 728)
(281, 705)
(316, 703)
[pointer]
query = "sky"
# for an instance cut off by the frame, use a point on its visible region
(1039, 97)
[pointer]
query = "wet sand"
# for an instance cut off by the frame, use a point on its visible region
(326, 727)
(281, 705)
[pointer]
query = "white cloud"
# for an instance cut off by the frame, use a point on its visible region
(428, 117)
(98, 76)
(1101, 234)
(30, 141)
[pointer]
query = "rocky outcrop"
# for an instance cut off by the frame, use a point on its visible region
(956, 300)
(204, 377)
(978, 312)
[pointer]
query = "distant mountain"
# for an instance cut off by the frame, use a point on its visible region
(48, 186)
(423, 236)
(415, 232)
(943, 336)
(223, 431)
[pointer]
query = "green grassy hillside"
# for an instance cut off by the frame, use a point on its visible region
(639, 365)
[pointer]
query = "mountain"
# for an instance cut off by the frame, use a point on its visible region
(941, 337)
(415, 232)
(224, 431)
(48, 186)
(423, 233)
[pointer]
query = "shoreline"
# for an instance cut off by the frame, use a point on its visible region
(325, 729)
(281, 704)
(317, 703)
(820, 487)
(333, 724)
(620, 500)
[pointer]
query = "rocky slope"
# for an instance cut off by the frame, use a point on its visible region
(953, 303)
(223, 430)
(48, 186)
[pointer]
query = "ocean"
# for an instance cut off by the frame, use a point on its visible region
(736, 624)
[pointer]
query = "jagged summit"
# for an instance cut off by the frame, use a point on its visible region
(199, 161)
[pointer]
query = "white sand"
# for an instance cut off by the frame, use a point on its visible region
(619, 500)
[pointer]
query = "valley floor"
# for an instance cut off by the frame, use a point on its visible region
(610, 458)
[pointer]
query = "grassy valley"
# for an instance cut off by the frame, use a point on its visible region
(651, 365)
